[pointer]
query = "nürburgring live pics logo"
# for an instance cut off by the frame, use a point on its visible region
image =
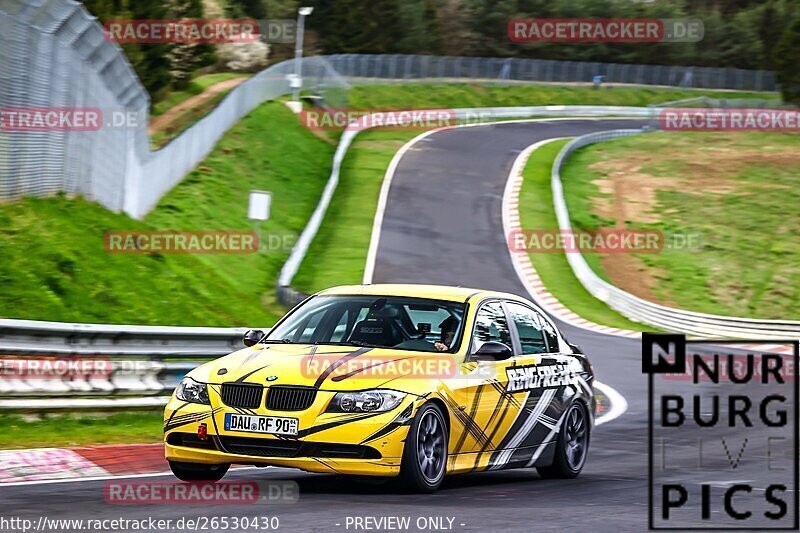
(722, 434)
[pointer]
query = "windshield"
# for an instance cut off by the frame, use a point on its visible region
(375, 321)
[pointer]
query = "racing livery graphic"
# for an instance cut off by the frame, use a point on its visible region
(390, 380)
(540, 377)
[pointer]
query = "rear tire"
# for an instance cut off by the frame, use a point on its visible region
(572, 445)
(198, 471)
(425, 451)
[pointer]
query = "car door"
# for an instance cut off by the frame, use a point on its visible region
(488, 410)
(544, 375)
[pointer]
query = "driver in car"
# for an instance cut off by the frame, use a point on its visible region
(447, 332)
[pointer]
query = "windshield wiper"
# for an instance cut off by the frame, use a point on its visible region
(276, 341)
(347, 343)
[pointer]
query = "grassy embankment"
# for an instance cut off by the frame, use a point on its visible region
(338, 253)
(732, 193)
(55, 268)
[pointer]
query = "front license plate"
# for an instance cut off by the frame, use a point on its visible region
(275, 425)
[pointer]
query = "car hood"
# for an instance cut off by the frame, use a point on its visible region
(330, 367)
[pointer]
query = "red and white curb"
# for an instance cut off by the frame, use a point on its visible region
(522, 262)
(533, 283)
(81, 463)
(772, 348)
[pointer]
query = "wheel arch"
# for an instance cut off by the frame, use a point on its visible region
(443, 407)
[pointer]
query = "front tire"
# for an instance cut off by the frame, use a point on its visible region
(572, 445)
(425, 451)
(198, 471)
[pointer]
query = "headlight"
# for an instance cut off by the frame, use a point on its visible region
(190, 390)
(371, 401)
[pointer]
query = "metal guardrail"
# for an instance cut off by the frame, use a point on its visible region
(148, 361)
(53, 54)
(637, 309)
(141, 363)
(30, 337)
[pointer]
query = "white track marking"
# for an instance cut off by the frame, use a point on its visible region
(377, 223)
(618, 404)
(105, 478)
(522, 263)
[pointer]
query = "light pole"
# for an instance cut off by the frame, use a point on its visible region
(302, 13)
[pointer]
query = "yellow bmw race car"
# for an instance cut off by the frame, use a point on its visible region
(413, 381)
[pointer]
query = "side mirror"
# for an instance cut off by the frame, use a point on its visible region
(492, 351)
(252, 337)
(575, 348)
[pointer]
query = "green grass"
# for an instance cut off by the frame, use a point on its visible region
(536, 213)
(736, 191)
(473, 95)
(55, 266)
(189, 117)
(62, 430)
(338, 254)
(339, 251)
(196, 86)
(184, 121)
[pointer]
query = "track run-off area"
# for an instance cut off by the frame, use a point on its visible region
(441, 222)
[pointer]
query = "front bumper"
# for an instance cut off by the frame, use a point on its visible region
(358, 444)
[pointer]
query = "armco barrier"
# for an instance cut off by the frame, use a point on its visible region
(643, 311)
(30, 337)
(146, 362)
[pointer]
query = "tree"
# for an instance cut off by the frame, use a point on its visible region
(421, 36)
(770, 29)
(356, 26)
(452, 22)
(786, 60)
(152, 66)
(185, 58)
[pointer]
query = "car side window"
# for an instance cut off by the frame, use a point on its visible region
(550, 334)
(490, 325)
(529, 327)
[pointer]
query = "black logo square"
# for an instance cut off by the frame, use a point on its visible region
(669, 351)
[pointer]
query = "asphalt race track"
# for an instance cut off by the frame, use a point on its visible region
(443, 225)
